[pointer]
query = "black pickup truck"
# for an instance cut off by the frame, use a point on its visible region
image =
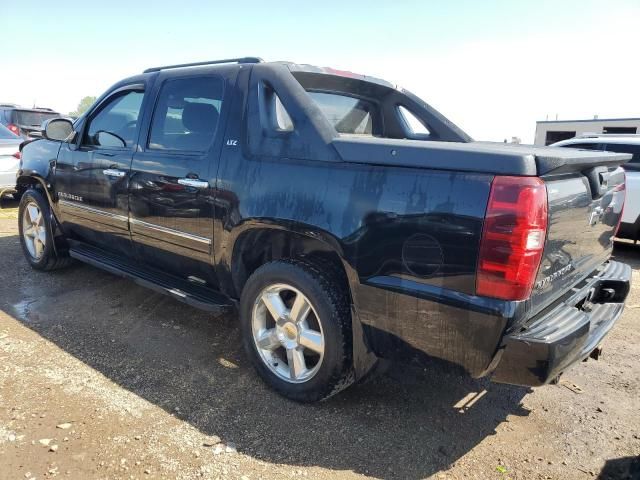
(344, 218)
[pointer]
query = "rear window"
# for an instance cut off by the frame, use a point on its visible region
(348, 115)
(31, 118)
(6, 134)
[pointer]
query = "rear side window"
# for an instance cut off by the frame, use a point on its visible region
(187, 114)
(283, 120)
(273, 113)
(348, 115)
(412, 123)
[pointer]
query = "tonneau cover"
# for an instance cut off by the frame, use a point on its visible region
(485, 157)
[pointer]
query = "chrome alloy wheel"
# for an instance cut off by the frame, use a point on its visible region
(287, 333)
(34, 230)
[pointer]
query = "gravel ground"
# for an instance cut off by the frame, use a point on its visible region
(101, 378)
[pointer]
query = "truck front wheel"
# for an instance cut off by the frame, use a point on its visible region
(34, 224)
(296, 324)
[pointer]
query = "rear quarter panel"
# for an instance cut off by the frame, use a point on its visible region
(395, 228)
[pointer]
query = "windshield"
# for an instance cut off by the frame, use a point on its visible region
(6, 134)
(33, 118)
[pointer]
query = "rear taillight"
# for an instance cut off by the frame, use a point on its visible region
(621, 188)
(14, 128)
(513, 238)
(17, 155)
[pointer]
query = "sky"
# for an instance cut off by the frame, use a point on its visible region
(492, 67)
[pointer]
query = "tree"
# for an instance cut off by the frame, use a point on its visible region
(83, 106)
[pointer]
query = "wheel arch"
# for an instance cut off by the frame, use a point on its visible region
(259, 243)
(35, 181)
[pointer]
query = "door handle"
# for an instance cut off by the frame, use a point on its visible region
(112, 172)
(192, 182)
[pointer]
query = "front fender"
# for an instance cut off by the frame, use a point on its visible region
(37, 167)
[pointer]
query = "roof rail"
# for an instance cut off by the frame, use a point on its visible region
(597, 135)
(211, 62)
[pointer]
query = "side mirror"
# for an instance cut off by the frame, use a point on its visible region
(57, 129)
(108, 139)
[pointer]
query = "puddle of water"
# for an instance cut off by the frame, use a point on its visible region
(22, 309)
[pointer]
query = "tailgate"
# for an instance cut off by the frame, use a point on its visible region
(586, 195)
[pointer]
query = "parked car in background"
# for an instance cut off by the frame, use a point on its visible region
(25, 121)
(9, 160)
(630, 225)
(344, 217)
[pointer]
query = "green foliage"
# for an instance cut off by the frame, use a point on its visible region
(83, 106)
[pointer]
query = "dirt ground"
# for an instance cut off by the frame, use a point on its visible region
(101, 378)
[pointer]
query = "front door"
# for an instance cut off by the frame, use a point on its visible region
(92, 174)
(171, 190)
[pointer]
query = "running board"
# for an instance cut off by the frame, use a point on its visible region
(182, 290)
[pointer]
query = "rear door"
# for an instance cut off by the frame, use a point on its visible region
(173, 175)
(92, 175)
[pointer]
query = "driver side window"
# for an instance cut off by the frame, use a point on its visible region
(116, 123)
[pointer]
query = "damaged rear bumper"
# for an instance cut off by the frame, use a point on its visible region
(553, 341)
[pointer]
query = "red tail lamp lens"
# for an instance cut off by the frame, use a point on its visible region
(513, 238)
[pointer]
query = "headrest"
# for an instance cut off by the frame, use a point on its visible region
(200, 117)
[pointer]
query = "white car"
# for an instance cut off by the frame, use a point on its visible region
(9, 160)
(630, 224)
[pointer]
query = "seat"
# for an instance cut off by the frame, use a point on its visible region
(200, 120)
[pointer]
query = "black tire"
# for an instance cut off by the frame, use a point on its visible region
(50, 259)
(328, 297)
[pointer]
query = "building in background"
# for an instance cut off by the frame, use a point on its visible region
(551, 131)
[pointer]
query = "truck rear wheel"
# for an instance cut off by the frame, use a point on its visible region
(34, 224)
(296, 326)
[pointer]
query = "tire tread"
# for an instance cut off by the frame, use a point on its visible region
(332, 287)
